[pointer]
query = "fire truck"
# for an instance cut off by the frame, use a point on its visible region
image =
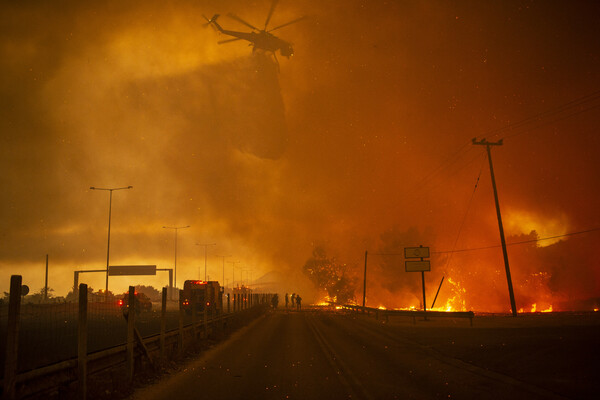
(198, 296)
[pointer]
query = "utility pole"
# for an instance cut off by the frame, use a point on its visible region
(511, 293)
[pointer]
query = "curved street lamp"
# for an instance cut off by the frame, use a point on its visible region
(176, 228)
(205, 246)
(109, 215)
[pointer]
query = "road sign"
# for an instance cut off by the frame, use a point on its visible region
(417, 266)
(416, 252)
(24, 290)
(122, 270)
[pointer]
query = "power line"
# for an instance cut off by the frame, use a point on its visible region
(454, 157)
(465, 216)
(516, 243)
(554, 121)
(495, 246)
(550, 112)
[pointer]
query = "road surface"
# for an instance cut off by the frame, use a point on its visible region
(317, 354)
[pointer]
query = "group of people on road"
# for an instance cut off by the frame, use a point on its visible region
(296, 301)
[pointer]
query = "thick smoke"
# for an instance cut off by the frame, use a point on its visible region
(360, 141)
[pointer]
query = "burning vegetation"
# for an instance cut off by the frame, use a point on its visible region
(330, 276)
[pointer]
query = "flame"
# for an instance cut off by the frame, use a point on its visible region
(534, 308)
(457, 301)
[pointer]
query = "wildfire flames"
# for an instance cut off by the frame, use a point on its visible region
(478, 282)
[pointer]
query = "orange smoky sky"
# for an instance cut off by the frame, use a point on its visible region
(360, 141)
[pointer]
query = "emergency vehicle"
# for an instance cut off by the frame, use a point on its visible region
(198, 296)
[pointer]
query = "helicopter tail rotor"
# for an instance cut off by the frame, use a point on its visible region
(213, 22)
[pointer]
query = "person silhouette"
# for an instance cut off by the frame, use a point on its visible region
(298, 302)
(286, 300)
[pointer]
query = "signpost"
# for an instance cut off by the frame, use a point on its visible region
(120, 270)
(124, 270)
(416, 252)
(418, 266)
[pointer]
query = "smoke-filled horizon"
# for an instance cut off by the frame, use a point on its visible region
(360, 141)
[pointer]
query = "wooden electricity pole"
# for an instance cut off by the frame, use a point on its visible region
(511, 293)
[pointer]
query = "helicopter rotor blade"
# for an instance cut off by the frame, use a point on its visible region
(228, 40)
(238, 19)
(273, 5)
(288, 23)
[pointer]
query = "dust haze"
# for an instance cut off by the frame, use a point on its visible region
(360, 141)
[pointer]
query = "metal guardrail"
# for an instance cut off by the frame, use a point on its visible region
(135, 353)
(40, 380)
(408, 313)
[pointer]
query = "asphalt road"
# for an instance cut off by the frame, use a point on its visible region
(316, 354)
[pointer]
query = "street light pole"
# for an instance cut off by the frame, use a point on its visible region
(223, 268)
(233, 272)
(205, 246)
(176, 228)
(109, 217)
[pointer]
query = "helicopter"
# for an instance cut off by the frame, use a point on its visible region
(261, 39)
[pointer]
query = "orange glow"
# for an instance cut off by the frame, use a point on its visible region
(335, 147)
(523, 222)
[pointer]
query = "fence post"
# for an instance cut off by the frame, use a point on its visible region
(130, 333)
(163, 323)
(194, 322)
(181, 312)
(82, 341)
(12, 338)
(228, 302)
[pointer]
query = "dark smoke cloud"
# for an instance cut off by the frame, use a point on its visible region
(340, 147)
